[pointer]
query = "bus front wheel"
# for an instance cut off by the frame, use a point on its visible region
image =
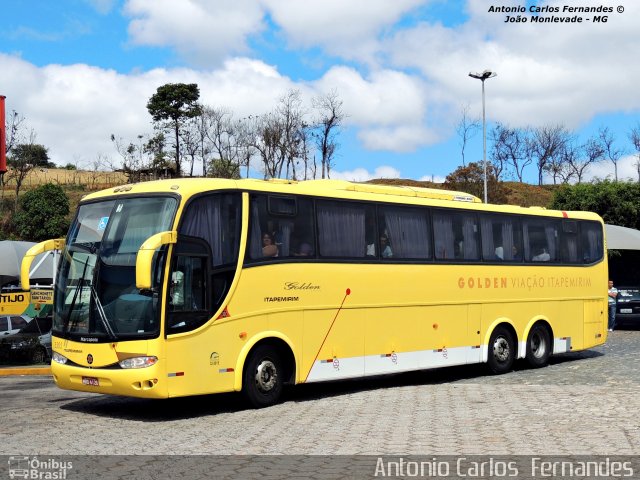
(262, 378)
(538, 346)
(502, 351)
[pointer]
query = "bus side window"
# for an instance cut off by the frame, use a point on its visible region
(591, 240)
(342, 228)
(288, 224)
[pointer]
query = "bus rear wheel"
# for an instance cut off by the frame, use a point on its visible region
(262, 378)
(538, 346)
(502, 351)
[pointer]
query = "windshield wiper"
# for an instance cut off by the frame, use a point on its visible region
(91, 247)
(79, 288)
(103, 316)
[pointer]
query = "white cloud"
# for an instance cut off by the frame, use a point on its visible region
(388, 107)
(204, 31)
(547, 73)
(362, 174)
(627, 170)
(74, 109)
(347, 28)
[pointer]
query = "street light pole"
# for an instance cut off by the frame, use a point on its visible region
(482, 77)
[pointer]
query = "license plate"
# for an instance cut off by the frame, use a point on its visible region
(626, 310)
(93, 381)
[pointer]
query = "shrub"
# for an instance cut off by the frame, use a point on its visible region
(42, 214)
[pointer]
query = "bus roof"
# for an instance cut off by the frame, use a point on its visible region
(187, 187)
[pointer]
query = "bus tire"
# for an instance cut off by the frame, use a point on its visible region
(502, 351)
(538, 346)
(262, 377)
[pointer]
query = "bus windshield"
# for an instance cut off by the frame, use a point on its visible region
(96, 290)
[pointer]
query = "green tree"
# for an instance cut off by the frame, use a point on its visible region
(219, 168)
(31, 153)
(470, 179)
(24, 158)
(171, 106)
(618, 203)
(43, 213)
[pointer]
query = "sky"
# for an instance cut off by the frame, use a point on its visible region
(81, 70)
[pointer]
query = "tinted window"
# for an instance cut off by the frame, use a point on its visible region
(404, 233)
(569, 242)
(343, 228)
(541, 237)
(591, 240)
(501, 238)
(455, 235)
(216, 220)
(280, 227)
(4, 324)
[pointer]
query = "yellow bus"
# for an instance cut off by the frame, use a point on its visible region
(197, 286)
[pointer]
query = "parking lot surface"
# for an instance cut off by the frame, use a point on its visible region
(583, 403)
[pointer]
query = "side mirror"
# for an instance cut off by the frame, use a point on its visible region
(33, 252)
(145, 256)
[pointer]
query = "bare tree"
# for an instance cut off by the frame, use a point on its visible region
(547, 146)
(579, 159)
(267, 136)
(563, 168)
(291, 114)
(634, 136)
(330, 117)
(13, 136)
(13, 130)
(96, 169)
(558, 163)
(21, 162)
(466, 128)
(611, 153)
(245, 133)
(130, 154)
(510, 147)
(222, 138)
(190, 140)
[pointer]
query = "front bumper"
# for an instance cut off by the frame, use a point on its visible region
(136, 382)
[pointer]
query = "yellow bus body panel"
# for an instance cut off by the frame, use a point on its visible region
(342, 320)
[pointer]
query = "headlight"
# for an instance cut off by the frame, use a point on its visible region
(19, 345)
(138, 362)
(61, 359)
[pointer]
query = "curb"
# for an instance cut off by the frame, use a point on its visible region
(7, 372)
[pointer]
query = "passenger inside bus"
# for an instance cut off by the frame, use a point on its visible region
(385, 248)
(542, 256)
(269, 248)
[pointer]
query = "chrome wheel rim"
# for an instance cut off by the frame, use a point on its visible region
(501, 350)
(266, 376)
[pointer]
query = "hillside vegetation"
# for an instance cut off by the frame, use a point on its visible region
(520, 194)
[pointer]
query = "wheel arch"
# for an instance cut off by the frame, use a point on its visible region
(538, 320)
(277, 340)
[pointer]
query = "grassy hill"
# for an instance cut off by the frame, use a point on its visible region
(521, 194)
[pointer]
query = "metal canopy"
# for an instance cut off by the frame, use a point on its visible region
(622, 238)
(11, 253)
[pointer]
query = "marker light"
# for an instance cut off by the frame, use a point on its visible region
(61, 359)
(138, 362)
